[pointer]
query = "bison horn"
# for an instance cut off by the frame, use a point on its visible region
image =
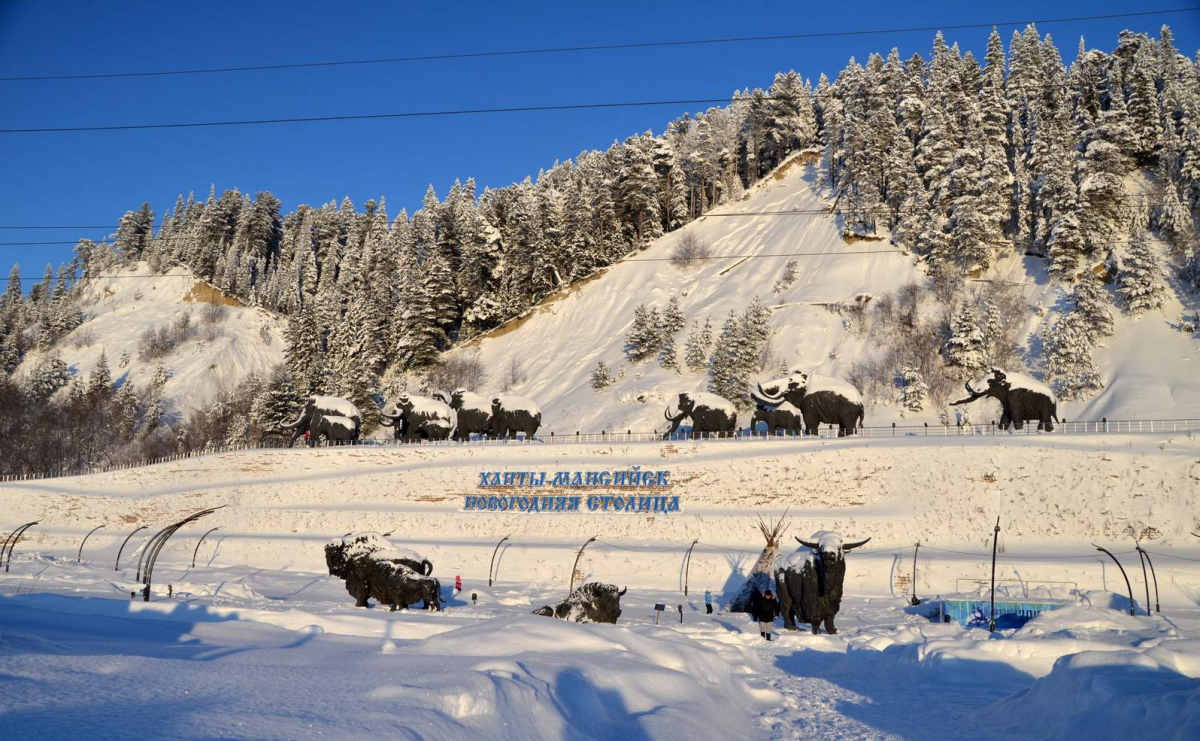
(855, 544)
(622, 592)
(806, 543)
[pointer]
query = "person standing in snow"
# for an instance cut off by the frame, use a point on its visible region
(764, 608)
(708, 601)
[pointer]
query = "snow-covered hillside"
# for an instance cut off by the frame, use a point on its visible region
(221, 348)
(1149, 366)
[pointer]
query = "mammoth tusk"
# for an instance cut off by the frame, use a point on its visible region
(667, 413)
(855, 544)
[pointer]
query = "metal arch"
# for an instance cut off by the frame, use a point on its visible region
(117, 565)
(493, 563)
(158, 546)
(202, 537)
(79, 556)
(1154, 576)
(1122, 568)
(149, 545)
(4, 547)
(995, 544)
(1145, 576)
(688, 568)
(13, 546)
(571, 586)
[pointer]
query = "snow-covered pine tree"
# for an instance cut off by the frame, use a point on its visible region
(48, 376)
(645, 335)
(99, 383)
(672, 317)
(966, 349)
(699, 343)
(602, 377)
(788, 277)
(304, 355)
(1069, 366)
(668, 355)
(278, 402)
(1139, 278)
(1091, 303)
(914, 391)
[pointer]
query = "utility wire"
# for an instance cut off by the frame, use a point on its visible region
(586, 48)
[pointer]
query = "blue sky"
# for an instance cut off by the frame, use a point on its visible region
(94, 177)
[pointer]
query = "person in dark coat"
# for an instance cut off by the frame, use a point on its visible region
(764, 608)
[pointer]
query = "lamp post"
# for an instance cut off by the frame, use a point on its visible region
(571, 587)
(493, 563)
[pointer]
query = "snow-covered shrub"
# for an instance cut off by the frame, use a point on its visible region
(601, 377)
(691, 252)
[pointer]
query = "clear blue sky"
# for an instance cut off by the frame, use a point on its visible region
(94, 177)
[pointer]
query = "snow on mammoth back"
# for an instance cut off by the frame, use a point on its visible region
(513, 403)
(1018, 381)
(818, 382)
(337, 404)
(712, 401)
(431, 407)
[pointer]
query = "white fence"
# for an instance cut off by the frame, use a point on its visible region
(1101, 427)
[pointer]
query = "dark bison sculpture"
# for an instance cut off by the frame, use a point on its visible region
(591, 603)
(820, 399)
(375, 569)
(809, 581)
(1022, 399)
(515, 414)
(709, 414)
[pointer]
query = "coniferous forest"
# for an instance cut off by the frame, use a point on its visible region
(949, 156)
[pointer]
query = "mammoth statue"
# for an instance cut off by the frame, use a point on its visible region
(782, 417)
(473, 412)
(316, 407)
(591, 603)
(708, 412)
(1022, 399)
(334, 429)
(810, 581)
(514, 414)
(820, 399)
(418, 418)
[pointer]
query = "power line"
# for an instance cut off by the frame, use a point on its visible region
(584, 48)
(442, 113)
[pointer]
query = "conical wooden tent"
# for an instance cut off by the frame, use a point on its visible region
(759, 578)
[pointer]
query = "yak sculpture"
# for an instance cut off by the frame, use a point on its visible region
(418, 418)
(332, 428)
(709, 414)
(473, 414)
(1022, 399)
(316, 407)
(515, 414)
(820, 399)
(591, 603)
(781, 417)
(809, 581)
(375, 569)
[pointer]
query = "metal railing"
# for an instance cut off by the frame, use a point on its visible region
(1100, 427)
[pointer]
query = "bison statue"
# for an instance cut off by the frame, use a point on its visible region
(709, 414)
(316, 407)
(373, 568)
(1022, 399)
(512, 415)
(418, 418)
(809, 581)
(820, 399)
(473, 414)
(591, 603)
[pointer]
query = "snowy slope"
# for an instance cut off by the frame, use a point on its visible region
(119, 308)
(562, 340)
(1147, 366)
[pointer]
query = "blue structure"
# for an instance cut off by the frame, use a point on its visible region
(1010, 614)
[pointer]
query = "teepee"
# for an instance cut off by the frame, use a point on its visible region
(760, 576)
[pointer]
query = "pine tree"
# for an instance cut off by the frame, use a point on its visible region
(672, 317)
(304, 354)
(1139, 279)
(668, 355)
(698, 345)
(1069, 365)
(914, 391)
(1091, 303)
(49, 376)
(602, 377)
(276, 404)
(99, 383)
(966, 348)
(645, 335)
(126, 412)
